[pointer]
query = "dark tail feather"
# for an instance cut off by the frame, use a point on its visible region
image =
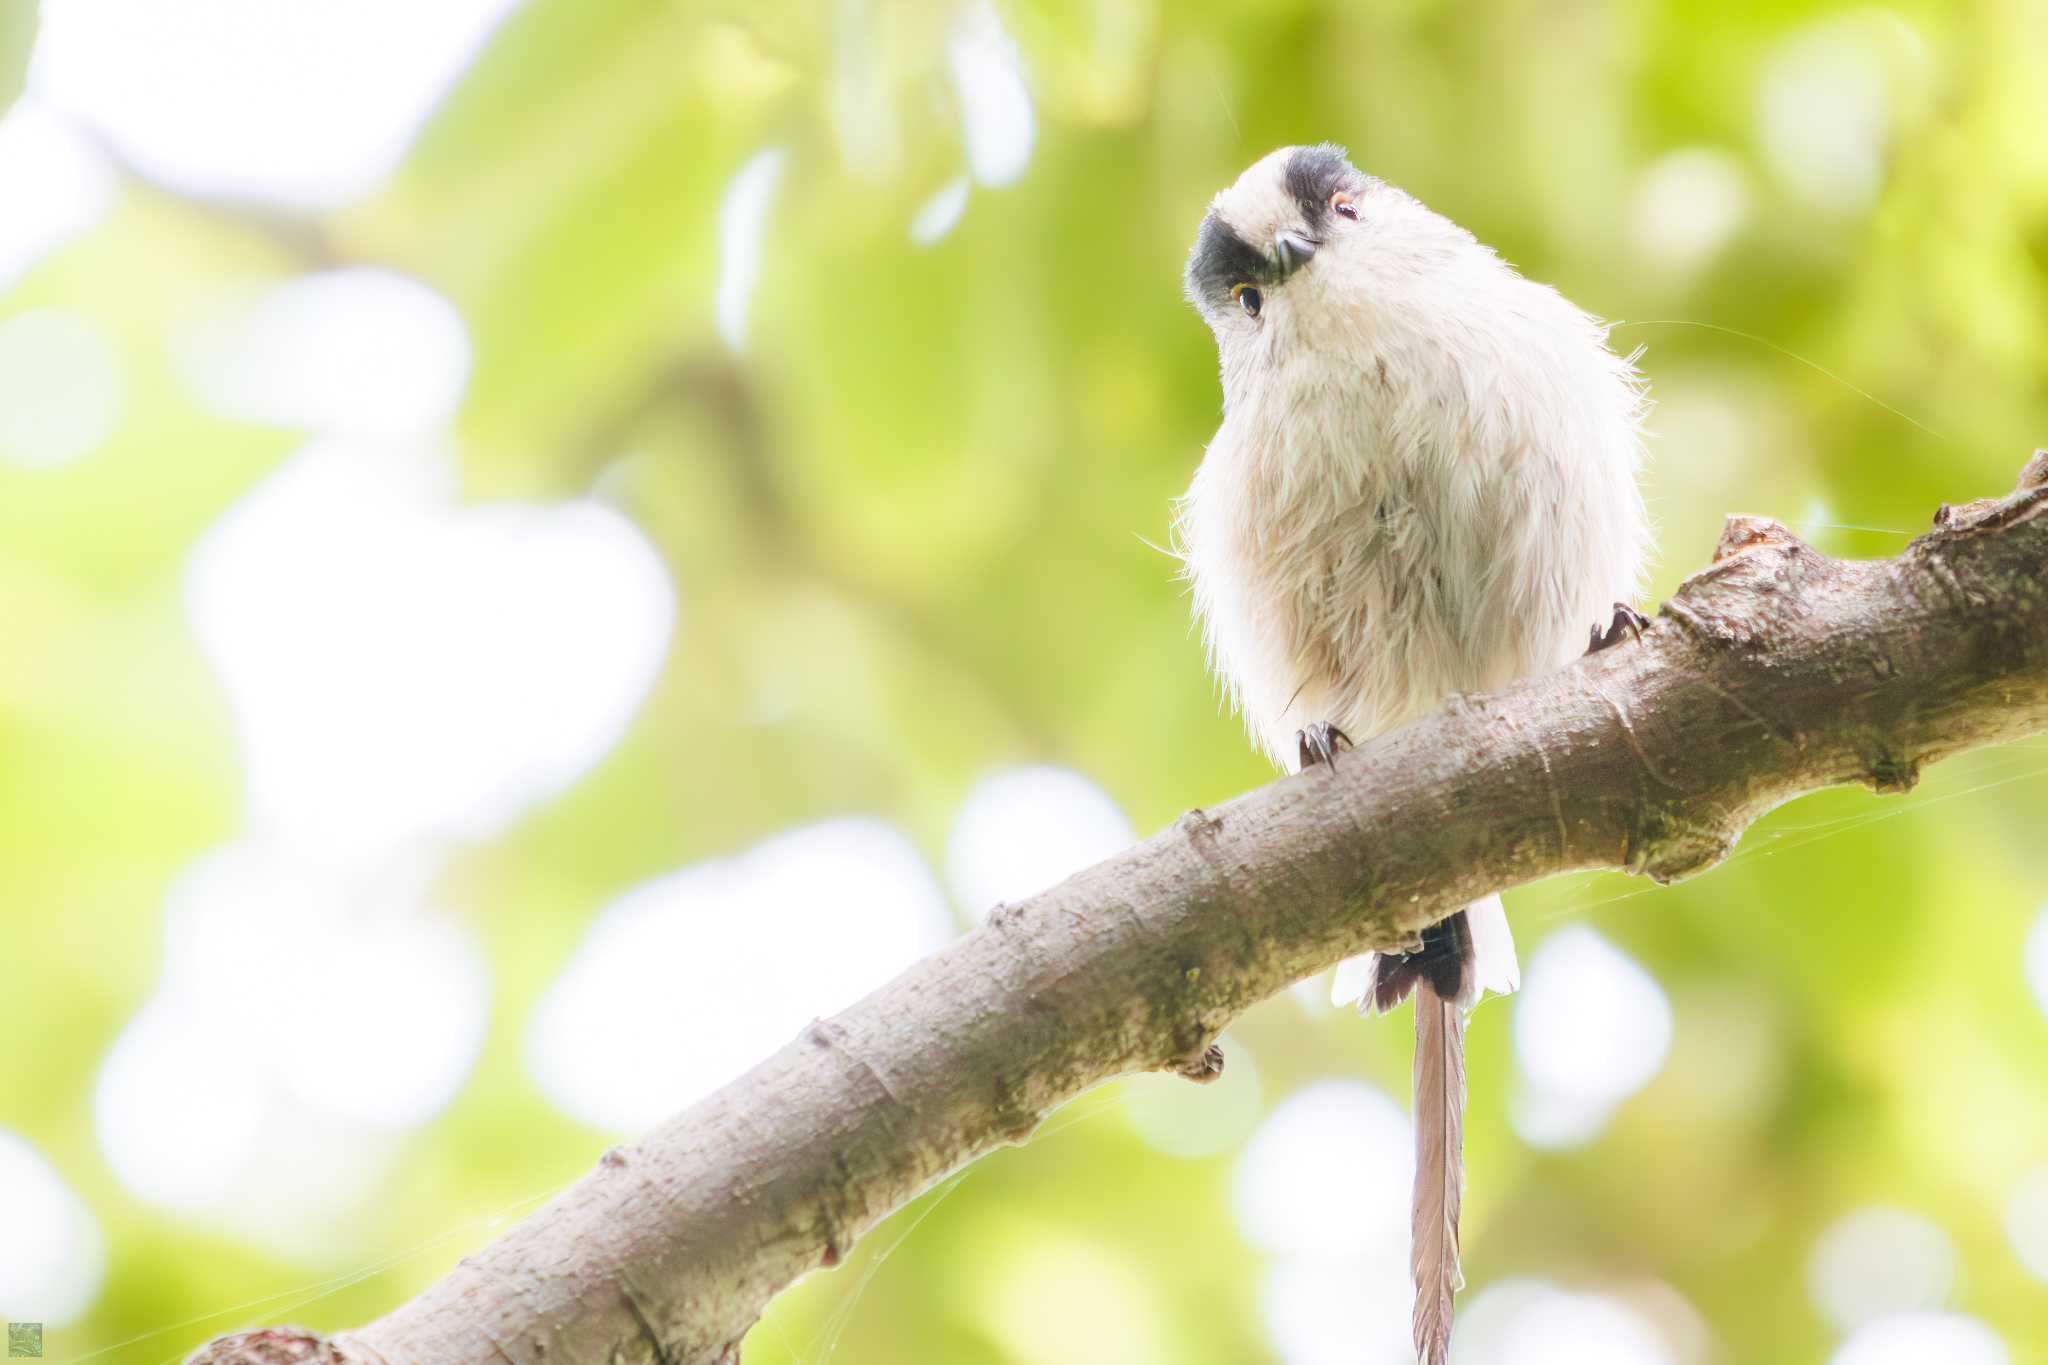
(1444, 960)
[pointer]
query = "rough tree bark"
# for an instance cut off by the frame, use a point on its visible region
(1772, 672)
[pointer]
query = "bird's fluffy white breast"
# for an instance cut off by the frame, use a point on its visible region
(1424, 483)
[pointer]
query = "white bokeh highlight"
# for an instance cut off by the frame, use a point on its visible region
(2026, 1222)
(1531, 1322)
(1686, 206)
(56, 184)
(399, 1062)
(1339, 1310)
(743, 219)
(1879, 1261)
(52, 1256)
(1323, 1187)
(684, 982)
(996, 117)
(62, 388)
(1591, 1028)
(940, 214)
(403, 667)
(1827, 106)
(277, 1173)
(2037, 960)
(1022, 830)
(359, 352)
(179, 1103)
(1923, 1339)
(374, 1009)
(1327, 1174)
(309, 1171)
(310, 103)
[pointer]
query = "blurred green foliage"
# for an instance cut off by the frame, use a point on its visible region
(918, 511)
(17, 36)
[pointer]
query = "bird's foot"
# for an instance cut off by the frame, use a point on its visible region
(1627, 622)
(1319, 743)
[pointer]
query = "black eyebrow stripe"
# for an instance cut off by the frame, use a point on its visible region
(1222, 259)
(1313, 175)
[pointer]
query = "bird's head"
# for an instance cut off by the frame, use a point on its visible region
(1295, 255)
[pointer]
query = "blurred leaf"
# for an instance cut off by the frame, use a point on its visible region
(17, 40)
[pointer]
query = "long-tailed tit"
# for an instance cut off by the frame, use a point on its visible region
(1424, 484)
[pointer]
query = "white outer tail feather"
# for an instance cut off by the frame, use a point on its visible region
(1353, 979)
(1494, 966)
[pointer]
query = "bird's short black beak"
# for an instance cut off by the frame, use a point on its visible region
(1292, 251)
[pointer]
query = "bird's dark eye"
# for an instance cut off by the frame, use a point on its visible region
(1248, 298)
(1341, 202)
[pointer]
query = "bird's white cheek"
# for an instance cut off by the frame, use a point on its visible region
(1244, 360)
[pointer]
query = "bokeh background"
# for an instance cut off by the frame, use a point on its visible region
(544, 544)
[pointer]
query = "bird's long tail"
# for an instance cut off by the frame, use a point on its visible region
(1439, 1169)
(1461, 957)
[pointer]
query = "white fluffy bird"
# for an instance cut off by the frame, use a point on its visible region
(1424, 484)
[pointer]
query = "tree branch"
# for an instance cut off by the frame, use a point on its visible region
(1772, 672)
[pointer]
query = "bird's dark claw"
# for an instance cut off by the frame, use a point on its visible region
(1319, 743)
(1627, 622)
